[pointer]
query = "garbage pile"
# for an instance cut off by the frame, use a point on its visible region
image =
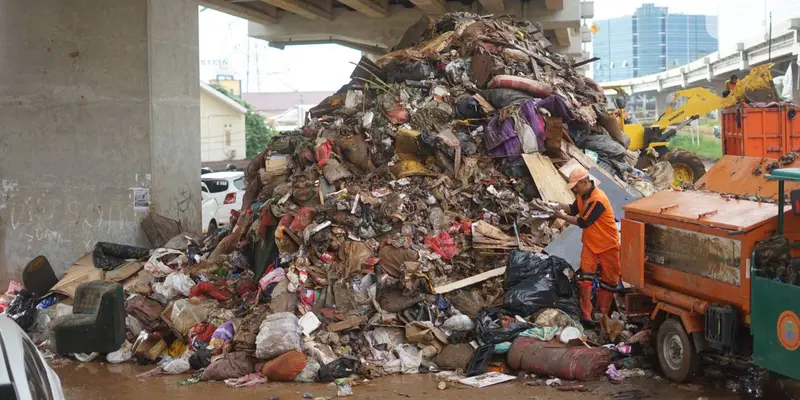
(400, 230)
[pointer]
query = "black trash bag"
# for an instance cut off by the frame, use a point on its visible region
(108, 256)
(479, 363)
(468, 108)
(340, 368)
(491, 331)
(23, 310)
(501, 98)
(200, 358)
(410, 71)
(534, 282)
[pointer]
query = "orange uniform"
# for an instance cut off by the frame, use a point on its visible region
(600, 243)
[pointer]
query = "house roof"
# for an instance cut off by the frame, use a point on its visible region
(273, 103)
(223, 98)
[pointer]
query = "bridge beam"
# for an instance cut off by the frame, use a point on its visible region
(662, 101)
(304, 9)
(496, 7)
(431, 7)
(744, 63)
(370, 8)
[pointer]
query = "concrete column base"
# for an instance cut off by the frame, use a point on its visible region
(99, 97)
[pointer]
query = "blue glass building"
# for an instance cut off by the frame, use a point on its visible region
(649, 41)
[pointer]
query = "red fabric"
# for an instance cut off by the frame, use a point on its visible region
(201, 332)
(285, 367)
(323, 153)
(443, 244)
(286, 221)
(245, 286)
(266, 221)
(208, 289)
(304, 218)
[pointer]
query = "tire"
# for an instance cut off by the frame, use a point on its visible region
(688, 161)
(676, 353)
(212, 228)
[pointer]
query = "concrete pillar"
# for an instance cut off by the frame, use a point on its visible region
(96, 98)
(795, 80)
(662, 101)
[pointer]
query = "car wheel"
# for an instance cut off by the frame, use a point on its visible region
(676, 354)
(212, 228)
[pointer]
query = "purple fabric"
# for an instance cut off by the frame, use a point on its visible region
(528, 111)
(502, 140)
(224, 332)
(557, 106)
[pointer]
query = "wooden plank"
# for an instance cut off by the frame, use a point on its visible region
(470, 281)
(349, 323)
(567, 168)
(552, 186)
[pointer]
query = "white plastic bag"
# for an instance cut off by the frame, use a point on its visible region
(176, 366)
(458, 322)
(158, 268)
(175, 284)
(409, 358)
(309, 373)
(279, 333)
(185, 315)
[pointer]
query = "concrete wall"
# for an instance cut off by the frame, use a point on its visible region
(96, 97)
(216, 119)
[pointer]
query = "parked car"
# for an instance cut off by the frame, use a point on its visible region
(227, 189)
(209, 210)
(205, 170)
(24, 373)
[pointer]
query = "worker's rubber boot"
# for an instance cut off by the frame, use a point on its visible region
(604, 299)
(585, 299)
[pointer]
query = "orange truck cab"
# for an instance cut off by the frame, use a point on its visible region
(695, 261)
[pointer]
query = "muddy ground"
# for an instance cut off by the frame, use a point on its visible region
(96, 381)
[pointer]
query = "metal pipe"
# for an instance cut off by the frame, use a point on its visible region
(687, 302)
(781, 204)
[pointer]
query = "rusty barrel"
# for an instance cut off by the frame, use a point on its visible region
(555, 359)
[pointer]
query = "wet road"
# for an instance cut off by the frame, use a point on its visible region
(96, 381)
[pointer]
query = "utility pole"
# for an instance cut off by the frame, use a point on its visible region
(769, 54)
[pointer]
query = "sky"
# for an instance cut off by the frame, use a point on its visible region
(225, 48)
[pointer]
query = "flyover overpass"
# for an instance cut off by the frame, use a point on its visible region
(375, 26)
(712, 70)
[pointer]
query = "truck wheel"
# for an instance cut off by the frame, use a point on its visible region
(687, 166)
(676, 354)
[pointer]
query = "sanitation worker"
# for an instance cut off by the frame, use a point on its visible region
(592, 212)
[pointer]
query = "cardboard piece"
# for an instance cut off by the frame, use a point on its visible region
(552, 186)
(81, 271)
(487, 379)
(124, 271)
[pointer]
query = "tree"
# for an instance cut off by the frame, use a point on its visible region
(257, 130)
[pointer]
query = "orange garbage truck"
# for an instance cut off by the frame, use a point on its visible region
(718, 274)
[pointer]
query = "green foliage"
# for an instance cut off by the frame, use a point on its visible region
(710, 148)
(257, 130)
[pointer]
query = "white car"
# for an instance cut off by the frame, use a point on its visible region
(24, 374)
(227, 189)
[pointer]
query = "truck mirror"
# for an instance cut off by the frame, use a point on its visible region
(620, 103)
(794, 196)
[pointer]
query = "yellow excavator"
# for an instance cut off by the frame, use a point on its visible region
(686, 106)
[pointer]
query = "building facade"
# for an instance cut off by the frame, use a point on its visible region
(222, 127)
(650, 41)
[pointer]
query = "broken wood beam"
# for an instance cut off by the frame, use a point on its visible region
(370, 8)
(302, 8)
(470, 281)
(349, 323)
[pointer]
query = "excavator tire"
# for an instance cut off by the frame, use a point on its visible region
(687, 166)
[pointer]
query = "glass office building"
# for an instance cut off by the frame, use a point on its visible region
(651, 40)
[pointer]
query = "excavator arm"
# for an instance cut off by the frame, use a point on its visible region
(696, 102)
